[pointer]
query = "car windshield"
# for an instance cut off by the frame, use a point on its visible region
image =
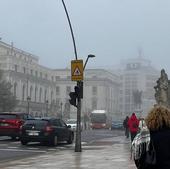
(36, 123)
(8, 116)
(71, 121)
(117, 122)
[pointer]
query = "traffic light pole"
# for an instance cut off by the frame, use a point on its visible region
(78, 130)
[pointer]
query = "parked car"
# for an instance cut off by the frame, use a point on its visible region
(10, 123)
(73, 124)
(46, 130)
(117, 124)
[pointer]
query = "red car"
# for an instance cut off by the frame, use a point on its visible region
(10, 123)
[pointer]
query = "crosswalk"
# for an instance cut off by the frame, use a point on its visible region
(9, 145)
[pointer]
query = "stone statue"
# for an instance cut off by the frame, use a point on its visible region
(161, 89)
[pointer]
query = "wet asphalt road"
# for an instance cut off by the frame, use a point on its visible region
(13, 150)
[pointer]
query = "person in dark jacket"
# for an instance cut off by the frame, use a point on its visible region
(158, 123)
(133, 124)
(125, 125)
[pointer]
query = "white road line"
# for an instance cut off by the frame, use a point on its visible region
(33, 148)
(12, 147)
(34, 151)
(3, 144)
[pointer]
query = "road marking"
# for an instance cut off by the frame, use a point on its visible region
(34, 151)
(13, 147)
(33, 148)
(3, 144)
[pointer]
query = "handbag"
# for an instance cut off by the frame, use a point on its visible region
(147, 159)
(150, 158)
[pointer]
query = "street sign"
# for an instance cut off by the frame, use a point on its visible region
(77, 70)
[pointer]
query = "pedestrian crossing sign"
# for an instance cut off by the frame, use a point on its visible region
(77, 70)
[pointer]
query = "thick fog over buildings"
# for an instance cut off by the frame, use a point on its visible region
(113, 90)
(130, 40)
(112, 30)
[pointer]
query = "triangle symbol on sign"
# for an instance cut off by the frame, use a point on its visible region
(77, 72)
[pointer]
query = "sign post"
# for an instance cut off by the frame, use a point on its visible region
(77, 75)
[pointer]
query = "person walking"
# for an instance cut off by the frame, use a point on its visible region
(126, 127)
(158, 123)
(133, 124)
(157, 137)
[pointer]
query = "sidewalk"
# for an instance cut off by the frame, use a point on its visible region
(113, 153)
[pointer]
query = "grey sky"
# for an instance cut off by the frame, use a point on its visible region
(113, 30)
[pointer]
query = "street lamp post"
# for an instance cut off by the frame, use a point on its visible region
(61, 104)
(28, 104)
(78, 132)
(79, 85)
(46, 114)
(89, 56)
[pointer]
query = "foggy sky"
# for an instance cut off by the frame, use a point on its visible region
(112, 30)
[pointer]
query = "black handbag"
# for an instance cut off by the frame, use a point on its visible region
(147, 159)
(150, 158)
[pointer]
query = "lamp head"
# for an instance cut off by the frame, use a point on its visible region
(91, 56)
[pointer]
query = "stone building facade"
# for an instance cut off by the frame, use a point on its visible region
(137, 75)
(42, 91)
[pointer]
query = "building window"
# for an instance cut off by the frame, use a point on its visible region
(36, 73)
(23, 92)
(57, 77)
(35, 93)
(31, 90)
(15, 89)
(94, 103)
(45, 95)
(57, 90)
(51, 96)
(16, 68)
(58, 102)
(40, 74)
(46, 76)
(24, 70)
(40, 94)
(94, 90)
(52, 78)
(31, 71)
(68, 90)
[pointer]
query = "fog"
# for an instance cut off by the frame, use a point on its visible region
(110, 29)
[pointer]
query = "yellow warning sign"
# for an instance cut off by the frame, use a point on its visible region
(77, 70)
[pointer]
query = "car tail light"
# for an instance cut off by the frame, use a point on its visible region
(48, 129)
(19, 122)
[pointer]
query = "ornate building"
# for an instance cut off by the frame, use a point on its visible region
(43, 91)
(138, 79)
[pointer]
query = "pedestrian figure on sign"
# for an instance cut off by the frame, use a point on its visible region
(133, 124)
(126, 127)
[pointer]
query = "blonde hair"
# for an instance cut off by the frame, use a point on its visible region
(158, 117)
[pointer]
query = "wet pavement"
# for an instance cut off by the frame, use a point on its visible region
(110, 153)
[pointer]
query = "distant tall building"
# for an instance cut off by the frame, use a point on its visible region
(43, 91)
(138, 79)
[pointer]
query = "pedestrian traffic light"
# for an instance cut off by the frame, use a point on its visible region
(73, 98)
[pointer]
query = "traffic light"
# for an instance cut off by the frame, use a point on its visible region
(79, 90)
(73, 98)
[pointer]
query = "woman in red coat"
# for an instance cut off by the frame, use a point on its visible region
(133, 124)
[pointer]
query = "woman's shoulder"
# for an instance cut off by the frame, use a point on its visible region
(161, 133)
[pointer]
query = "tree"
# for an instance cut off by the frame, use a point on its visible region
(7, 99)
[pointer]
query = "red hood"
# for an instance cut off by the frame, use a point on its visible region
(133, 117)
